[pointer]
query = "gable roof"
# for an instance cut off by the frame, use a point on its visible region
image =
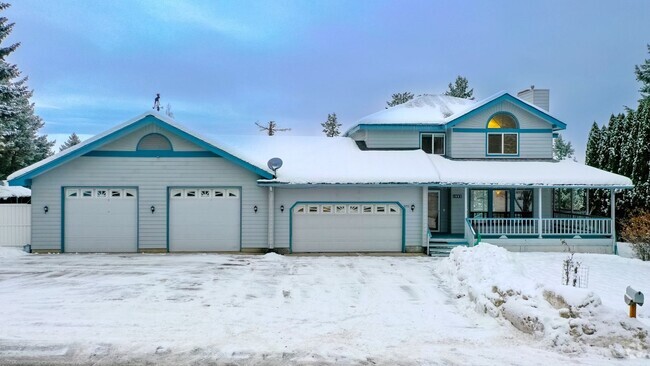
(445, 111)
(23, 176)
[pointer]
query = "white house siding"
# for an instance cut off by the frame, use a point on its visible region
(472, 145)
(392, 139)
(130, 141)
(407, 196)
(152, 176)
(457, 208)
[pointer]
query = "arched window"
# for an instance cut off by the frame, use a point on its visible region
(502, 143)
(154, 141)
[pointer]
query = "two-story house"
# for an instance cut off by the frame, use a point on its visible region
(426, 175)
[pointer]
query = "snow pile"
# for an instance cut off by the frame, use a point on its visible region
(11, 252)
(14, 191)
(427, 108)
(492, 281)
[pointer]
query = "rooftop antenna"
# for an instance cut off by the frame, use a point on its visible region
(274, 164)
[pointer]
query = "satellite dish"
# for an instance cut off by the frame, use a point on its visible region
(274, 164)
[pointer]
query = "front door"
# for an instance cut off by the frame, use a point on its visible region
(434, 211)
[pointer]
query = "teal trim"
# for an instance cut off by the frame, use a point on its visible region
(171, 148)
(149, 119)
(263, 183)
(152, 154)
(167, 220)
(137, 211)
(241, 200)
(556, 123)
(500, 130)
(346, 202)
(422, 127)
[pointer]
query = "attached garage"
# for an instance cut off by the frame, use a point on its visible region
(100, 219)
(204, 219)
(347, 227)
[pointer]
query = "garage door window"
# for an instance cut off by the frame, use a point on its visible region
(116, 193)
(219, 192)
(393, 209)
(353, 209)
(380, 209)
(339, 209)
(72, 193)
(177, 193)
(87, 193)
(326, 209)
(129, 192)
(367, 209)
(190, 193)
(101, 193)
(233, 193)
(312, 209)
(300, 209)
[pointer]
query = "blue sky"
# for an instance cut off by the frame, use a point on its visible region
(224, 65)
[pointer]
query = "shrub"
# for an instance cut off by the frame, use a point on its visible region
(636, 230)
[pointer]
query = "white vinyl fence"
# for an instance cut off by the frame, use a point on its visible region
(15, 224)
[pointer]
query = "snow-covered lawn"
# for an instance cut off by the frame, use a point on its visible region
(271, 309)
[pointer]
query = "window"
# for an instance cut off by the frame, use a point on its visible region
(393, 209)
(570, 201)
(129, 193)
(367, 209)
(312, 209)
(339, 209)
(233, 193)
(177, 192)
(219, 192)
(380, 209)
(116, 193)
(87, 193)
(300, 209)
(353, 209)
(433, 143)
(205, 193)
(500, 203)
(190, 193)
(72, 192)
(326, 209)
(524, 203)
(154, 141)
(479, 203)
(502, 143)
(101, 193)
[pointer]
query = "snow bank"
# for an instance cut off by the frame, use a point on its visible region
(11, 252)
(493, 282)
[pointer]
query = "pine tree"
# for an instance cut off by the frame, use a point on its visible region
(20, 144)
(562, 149)
(642, 73)
(71, 141)
(593, 143)
(399, 98)
(331, 126)
(460, 88)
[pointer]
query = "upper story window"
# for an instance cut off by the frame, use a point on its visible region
(433, 143)
(154, 141)
(506, 141)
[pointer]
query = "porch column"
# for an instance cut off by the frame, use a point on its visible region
(271, 223)
(465, 214)
(539, 211)
(612, 204)
(425, 215)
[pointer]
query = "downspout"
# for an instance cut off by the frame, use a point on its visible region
(612, 204)
(271, 223)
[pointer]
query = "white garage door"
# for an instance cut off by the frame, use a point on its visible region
(204, 219)
(100, 220)
(339, 227)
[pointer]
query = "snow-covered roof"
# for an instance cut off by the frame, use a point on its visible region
(427, 108)
(338, 160)
(11, 192)
(443, 110)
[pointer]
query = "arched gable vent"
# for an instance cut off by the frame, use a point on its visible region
(154, 141)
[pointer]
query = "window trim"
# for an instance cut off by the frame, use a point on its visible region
(512, 197)
(138, 147)
(433, 142)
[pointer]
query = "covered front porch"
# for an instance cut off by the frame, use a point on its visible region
(519, 218)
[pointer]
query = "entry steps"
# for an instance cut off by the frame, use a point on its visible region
(441, 246)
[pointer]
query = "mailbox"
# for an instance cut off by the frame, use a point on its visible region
(633, 296)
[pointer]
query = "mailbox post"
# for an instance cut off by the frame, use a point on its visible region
(633, 298)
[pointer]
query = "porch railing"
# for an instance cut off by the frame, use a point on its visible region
(550, 226)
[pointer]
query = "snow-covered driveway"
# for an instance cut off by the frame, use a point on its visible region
(179, 309)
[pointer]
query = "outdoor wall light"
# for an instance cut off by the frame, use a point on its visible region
(282, 208)
(153, 209)
(412, 208)
(46, 209)
(255, 208)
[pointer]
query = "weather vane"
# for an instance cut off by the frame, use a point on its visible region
(156, 102)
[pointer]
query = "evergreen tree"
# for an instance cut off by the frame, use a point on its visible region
(593, 143)
(460, 88)
(562, 149)
(642, 73)
(71, 141)
(331, 126)
(20, 144)
(399, 98)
